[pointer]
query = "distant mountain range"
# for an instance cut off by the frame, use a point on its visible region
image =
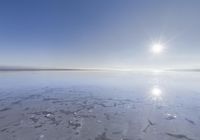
(14, 68)
(8, 68)
(186, 70)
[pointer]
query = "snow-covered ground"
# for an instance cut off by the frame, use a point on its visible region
(99, 106)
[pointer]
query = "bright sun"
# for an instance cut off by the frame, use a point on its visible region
(157, 48)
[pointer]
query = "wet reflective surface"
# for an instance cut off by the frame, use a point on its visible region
(99, 106)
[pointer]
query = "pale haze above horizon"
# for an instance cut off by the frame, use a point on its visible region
(100, 33)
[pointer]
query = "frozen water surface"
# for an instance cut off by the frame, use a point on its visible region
(99, 106)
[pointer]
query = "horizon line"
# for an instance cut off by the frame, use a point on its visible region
(97, 69)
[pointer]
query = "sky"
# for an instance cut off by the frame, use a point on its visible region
(99, 33)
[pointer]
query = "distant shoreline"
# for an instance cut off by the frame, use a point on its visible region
(73, 69)
(51, 70)
(185, 70)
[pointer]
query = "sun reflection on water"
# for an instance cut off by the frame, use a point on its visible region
(156, 93)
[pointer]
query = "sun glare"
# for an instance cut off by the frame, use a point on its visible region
(156, 91)
(157, 48)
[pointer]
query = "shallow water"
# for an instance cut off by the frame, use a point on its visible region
(99, 106)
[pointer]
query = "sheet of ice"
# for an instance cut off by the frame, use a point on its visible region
(99, 106)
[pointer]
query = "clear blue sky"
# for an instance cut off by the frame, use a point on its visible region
(99, 33)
